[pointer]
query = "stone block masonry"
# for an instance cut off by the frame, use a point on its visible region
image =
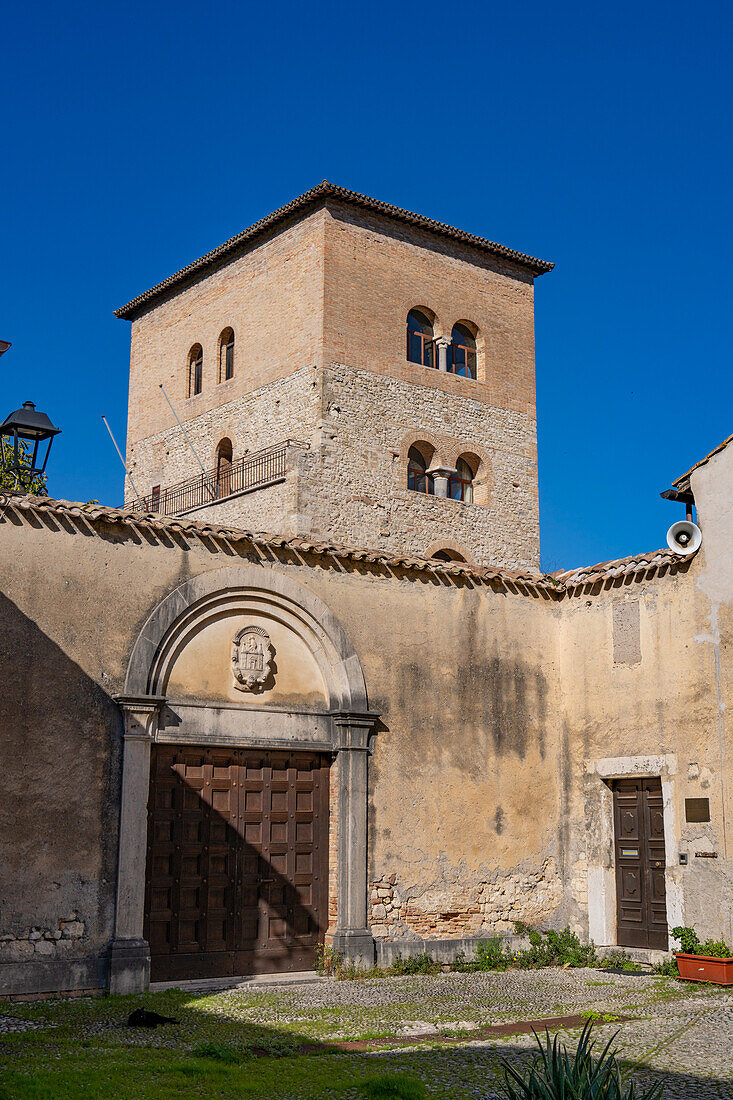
(351, 485)
(61, 939)
(455, 909)
(286, 408)
(368, 423)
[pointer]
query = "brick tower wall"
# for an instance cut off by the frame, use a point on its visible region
(318, 311)
(375, 403)
(272, 298)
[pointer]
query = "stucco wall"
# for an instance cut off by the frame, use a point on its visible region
(499, 712)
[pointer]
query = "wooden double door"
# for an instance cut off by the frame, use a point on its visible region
(237, 861)
(641, 905)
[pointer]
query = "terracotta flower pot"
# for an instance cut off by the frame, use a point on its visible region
(705, 968)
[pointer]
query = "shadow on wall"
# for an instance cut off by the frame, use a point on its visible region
(484, 698)
(234, 885)
(60, 738)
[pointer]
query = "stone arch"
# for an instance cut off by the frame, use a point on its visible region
(451, 547)
(197, 600)
(477, 334)
(478, 459)
(351, 725)
(416, 437)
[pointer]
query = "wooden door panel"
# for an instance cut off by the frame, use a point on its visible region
(640, 863)
(236, 840)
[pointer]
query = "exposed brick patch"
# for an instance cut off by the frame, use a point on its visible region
(476, 908)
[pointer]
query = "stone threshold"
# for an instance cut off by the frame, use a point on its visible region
(244, 981)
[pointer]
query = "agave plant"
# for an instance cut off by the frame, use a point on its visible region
(557, 1075)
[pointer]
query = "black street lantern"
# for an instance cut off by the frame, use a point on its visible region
(26, 428)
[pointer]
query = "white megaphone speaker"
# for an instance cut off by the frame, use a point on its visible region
(684, 537)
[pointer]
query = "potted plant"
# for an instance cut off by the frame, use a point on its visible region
(711, 961)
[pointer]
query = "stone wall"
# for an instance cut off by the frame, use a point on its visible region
(284, 409)
(59, 940)
(500, 707)
(369, 421)
(352, 486)
(475, 908)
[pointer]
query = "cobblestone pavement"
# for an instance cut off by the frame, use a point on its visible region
(680, 1033)
(8, 1024)
(675, 1032)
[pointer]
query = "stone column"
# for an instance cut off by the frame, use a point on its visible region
(442, 343)
(129, 968)
(440, 476)
(352, 937)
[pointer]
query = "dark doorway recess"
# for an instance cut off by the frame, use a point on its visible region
(638, 818)
(237, 861)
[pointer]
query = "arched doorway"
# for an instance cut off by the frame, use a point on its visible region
(242, 689)
(224, 453)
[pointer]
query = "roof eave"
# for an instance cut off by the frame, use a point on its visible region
(298, 206)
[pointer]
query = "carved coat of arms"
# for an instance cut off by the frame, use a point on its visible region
(251, 658)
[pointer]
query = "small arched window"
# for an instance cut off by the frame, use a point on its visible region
(224, 467)
(463, 351)
(420, 347)
(418, 477)
(460, 484)
(195, 370)
(447, 555)
(226, 355)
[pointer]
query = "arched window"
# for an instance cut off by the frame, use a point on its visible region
(447, 555)
(195, 370)
(460, 484)
(420, 348)
(226, 355)
(463, 351)
(417, 476)
(224, 468)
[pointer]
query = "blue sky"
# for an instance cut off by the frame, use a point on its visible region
(136, 137)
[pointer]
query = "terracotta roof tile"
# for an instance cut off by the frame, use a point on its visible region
(683, 483)
(310, 199)
(555, 584)
(622, 567)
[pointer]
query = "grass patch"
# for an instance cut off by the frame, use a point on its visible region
(219, 1052)
(393, 1087)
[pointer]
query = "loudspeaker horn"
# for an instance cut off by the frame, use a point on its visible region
(684, 537)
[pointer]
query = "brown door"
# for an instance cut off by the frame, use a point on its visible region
(639, 842)
(237, 861)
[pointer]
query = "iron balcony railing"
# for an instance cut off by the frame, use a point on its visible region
(253, 471)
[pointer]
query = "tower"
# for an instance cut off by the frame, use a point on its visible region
(346, 371)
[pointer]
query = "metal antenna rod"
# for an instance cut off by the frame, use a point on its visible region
(124, 464)
(203, 471)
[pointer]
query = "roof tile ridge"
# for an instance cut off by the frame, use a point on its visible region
(129, 517)
(325, 188)
(683, 480)
(618, 566)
